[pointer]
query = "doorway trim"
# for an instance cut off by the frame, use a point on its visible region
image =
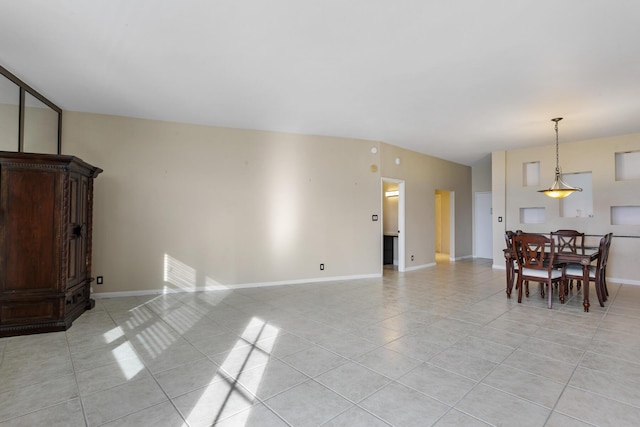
(401, 222)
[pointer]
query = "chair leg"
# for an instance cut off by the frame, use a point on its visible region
(510, 279)
(561, 291)
(520, 285)
(541, 289)
(599, 292)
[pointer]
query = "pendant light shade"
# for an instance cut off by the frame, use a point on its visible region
(559, 189)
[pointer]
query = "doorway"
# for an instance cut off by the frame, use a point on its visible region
(444, 225)
(393, 222)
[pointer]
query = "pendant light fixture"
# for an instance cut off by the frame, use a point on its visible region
(559, 189)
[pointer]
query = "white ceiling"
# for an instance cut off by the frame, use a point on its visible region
(454, 79)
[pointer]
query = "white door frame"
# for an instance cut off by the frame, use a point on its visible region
(401, 221)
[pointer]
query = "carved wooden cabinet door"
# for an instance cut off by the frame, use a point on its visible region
(77, 229)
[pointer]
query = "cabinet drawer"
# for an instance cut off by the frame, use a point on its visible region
(17, 312)
(75, 301)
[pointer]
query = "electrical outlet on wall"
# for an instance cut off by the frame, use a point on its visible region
(321, 266)
(99, 280)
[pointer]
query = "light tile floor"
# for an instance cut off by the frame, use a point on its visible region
(441, 346)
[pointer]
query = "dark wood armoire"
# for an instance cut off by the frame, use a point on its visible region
(46, 206)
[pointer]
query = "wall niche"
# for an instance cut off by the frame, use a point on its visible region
(628, 166)
(580, 203)
(531, 174)
(535, 215)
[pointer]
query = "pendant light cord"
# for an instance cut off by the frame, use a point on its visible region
(557, 155)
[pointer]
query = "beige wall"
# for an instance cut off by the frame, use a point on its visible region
(9, 127)
(595, 156)
(9, 112)
(498, 206)
(40, 131)
(232, 207)
(481, 175)
(423, 175)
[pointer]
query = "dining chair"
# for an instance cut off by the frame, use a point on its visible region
(571, 241)
(510, 261)
(568, 240)
(535, 254)
(605, 293)
(597, 273)
(511, 264)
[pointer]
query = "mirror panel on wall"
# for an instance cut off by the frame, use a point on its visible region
(29, 122)
(9, 115)
(40, 127)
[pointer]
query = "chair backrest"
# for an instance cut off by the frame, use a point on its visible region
(609, 237)
(603, 255)
(568, 240)
(508, 238)
(534, 251)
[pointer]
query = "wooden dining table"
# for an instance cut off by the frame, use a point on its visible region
(583, 256)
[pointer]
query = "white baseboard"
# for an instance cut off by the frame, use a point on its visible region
(613, 280)
(460, 258)
(420, 267)
(100, 295)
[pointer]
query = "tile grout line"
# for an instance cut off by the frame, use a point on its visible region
(579, 362)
